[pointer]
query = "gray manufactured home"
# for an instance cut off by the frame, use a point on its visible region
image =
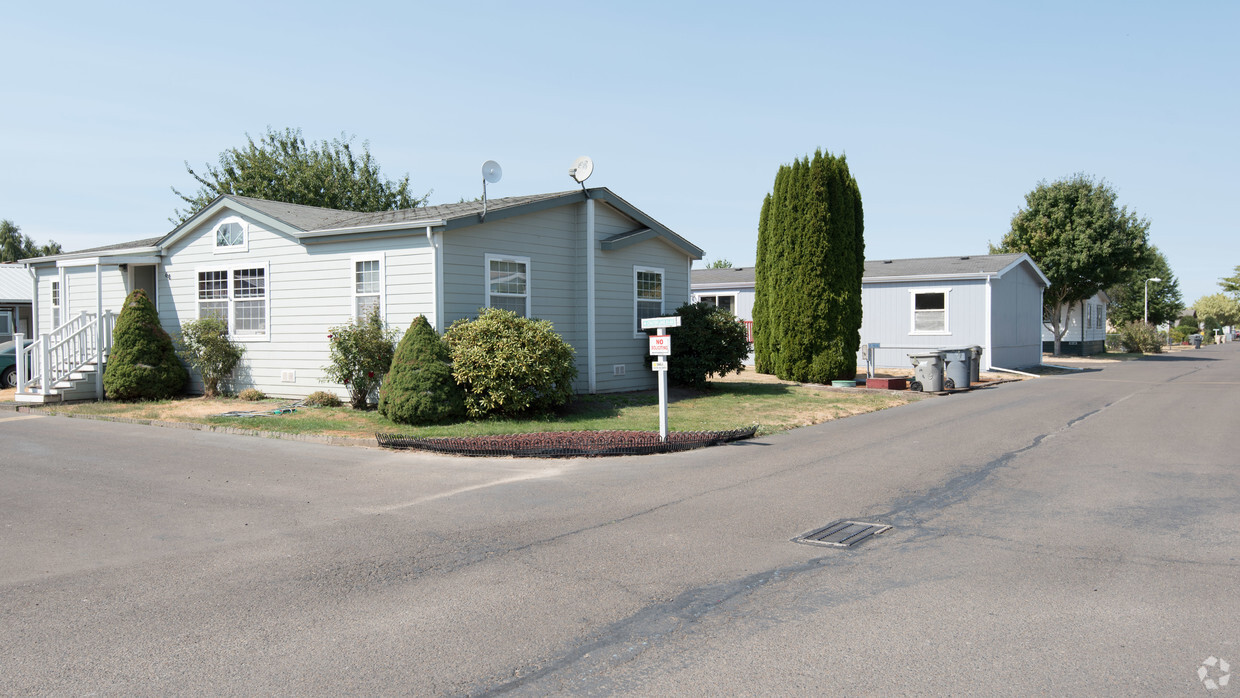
(283, 274)
(912, 305)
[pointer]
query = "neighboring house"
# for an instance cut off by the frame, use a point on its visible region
(283, 274)
(730, 288)
(1087, 327)
(911, 305)
(16, 301)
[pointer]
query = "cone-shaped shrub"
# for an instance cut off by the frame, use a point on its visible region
(419, 388)
(143, 364)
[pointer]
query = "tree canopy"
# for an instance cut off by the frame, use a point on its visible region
(282, 167)
(1128, 297)
(1218, 310)
(15, 246)
(811, 256)
(1081, 239)
(721, 263)
(1231, 284)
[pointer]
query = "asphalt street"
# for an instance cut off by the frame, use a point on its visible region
(1068, 535)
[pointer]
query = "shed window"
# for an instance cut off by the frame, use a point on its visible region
(647, 295)
(508, 284)
(929, 312)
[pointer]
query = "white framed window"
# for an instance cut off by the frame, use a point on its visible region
(239, 296)
(1100, 317)
(647, 296)
(725, 301)
(1089, 316)
(231, 235)
(508, 283)
(369, 285)
(6, 325)
(55, 304)
(929, 311)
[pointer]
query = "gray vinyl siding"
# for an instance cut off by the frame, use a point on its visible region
(310, 290)
(887, 318)
(1016, 319)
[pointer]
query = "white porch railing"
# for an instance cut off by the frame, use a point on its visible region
(56, 355)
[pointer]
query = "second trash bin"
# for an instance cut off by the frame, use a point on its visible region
(927, 371)
(975, 364)
(957, 370)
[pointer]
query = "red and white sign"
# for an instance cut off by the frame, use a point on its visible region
(661, 345)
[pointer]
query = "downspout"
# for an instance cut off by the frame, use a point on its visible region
(987, 348)
(591, 358)
(98, 331)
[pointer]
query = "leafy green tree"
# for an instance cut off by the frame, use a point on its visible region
(204, 345)
(720, 263)
(1128, 297)
(420, 389)
(1231, 284)
(143, 364)
(811, 255)
(510, 365)
(1080, 238)
(282, 167)
(15, 246)
(361, 353)
(1217, 310)
(709, 342)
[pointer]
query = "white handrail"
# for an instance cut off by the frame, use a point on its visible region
(57, 354)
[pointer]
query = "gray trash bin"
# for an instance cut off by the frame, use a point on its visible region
(957, 370)
(927, 371)
(975, 364)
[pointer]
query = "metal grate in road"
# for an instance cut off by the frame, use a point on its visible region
(842, 534)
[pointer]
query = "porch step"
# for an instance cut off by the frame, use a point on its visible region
(36, 398)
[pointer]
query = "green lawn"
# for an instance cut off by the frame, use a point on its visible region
(731, 405)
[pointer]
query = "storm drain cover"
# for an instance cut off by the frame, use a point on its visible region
(842, 534)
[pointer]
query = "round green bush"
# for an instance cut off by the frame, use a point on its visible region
(143, 364)
(419, 388)
(510, 365)
(710, 341)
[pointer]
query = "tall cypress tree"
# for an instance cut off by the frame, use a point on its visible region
(811, 255)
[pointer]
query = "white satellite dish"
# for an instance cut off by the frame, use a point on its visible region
(581, 170)
(491, 171)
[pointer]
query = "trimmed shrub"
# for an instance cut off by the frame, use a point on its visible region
(322, 398)
(510, 365)
(143, 364)
(708, 342)
(252, 395)
(1138, 336)
(205, 346)
(419, 388)
(361, 352)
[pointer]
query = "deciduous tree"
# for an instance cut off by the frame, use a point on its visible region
(282, 167)
(1128, 297)
(1218, 310)
(1081, 239)
(15, 246)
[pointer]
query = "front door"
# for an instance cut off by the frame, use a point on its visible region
(144, 278)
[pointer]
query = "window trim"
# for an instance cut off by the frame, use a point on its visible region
(57, 301)
(381, 258)
(638, 333)
(698, 297)
(529, 277)
(229, 270)
(230, 249)
(912, 311)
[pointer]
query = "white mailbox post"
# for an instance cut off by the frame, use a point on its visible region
(661, 347)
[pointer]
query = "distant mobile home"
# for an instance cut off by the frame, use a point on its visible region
(911, 305)
(1083, 338)
(283, 274)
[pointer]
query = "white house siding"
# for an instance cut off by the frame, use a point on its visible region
(77, 291)
(887, 318)
(1092, 340)
(310, 289)
(1016, 314)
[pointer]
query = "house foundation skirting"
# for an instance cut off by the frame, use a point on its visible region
(1077, 347)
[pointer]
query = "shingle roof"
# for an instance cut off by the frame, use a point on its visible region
(880, 268)
(144, 242)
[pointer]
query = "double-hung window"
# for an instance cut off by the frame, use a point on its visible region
(368, 285)
(647, 295)
(508, 283)
(55, 304)
(929, 311)
(239, 297)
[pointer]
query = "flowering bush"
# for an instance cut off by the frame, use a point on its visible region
(361, 353)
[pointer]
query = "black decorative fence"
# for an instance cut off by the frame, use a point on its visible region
(567, 444)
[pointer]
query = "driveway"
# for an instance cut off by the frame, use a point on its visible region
(1067, 535)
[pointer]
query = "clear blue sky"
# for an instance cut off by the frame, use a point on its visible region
(948, 113)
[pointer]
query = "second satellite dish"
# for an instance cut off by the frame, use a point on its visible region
(581, 169)
(491, 171)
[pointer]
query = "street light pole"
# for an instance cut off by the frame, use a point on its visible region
(1155, 279)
